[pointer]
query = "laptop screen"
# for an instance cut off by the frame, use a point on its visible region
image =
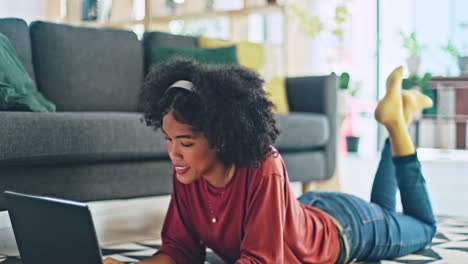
(53, 231)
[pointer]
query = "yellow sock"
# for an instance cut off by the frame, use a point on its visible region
(390, 108)
(389, 112)
(413, 102)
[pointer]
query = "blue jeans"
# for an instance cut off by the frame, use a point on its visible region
(372, 231)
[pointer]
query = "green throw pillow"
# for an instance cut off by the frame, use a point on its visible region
(17, 90)
(225, 55)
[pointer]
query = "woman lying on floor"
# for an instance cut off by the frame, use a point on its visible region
(231, 189)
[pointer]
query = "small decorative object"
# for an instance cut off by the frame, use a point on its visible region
(170, 7)
(210, 4)
(103, 10)
(414, 48)
(89, 10)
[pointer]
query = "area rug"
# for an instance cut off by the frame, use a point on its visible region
(450, 245)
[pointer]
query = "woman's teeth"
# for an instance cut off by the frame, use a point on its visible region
(182, 170)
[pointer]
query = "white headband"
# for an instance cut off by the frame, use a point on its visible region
(182, 84)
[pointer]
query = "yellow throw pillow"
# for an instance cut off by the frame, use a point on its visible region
(276, 90)
(250, 55)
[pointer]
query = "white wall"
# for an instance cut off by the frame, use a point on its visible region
(28, 10)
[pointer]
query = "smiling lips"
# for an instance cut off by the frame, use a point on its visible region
(181, 170)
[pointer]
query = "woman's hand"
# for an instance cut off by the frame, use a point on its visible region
(158, 259)
(112, 261)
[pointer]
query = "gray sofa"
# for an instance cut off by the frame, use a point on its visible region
(95, 146)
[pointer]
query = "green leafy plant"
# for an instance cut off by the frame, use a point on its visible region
(450, 49)
(425, 87)
(415, 80)
(308, 23)
(344, 80)
(312, 25)
(411, 43)
(354, 91)
(343, 83)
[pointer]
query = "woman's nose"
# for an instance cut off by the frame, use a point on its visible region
(174, 154)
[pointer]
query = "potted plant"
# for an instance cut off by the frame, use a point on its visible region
(458, 55)
(414, 49)
(352, 139)
(462, 50)
(345, 93)
(452, 52)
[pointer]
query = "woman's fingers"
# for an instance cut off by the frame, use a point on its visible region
(112, 261)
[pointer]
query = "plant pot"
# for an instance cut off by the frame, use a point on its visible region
(463, 65)
(413, 64)
(352, 144)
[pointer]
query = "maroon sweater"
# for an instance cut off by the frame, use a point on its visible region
(255, 218)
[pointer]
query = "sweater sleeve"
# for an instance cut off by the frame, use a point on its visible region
(264, 224)
(179, 241)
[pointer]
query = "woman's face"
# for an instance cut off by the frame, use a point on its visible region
(190, 152)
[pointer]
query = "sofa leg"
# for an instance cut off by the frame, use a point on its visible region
(308, 186)
(332, 184)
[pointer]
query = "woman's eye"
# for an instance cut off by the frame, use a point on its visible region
(187, 145)
(167, 139)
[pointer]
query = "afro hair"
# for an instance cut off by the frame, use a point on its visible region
(228, 105)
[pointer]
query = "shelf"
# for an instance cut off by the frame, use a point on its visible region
(456, 118)
(450, 79)
(273, 8)
(117, 24)
(449, 82)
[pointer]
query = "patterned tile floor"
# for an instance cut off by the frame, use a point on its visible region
(450, 245)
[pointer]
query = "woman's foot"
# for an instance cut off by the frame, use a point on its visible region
(413, 102)
(389, 111)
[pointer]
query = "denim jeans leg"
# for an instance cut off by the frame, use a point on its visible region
(413, 190)
(385, 185)
(324, 200)
(408, 234)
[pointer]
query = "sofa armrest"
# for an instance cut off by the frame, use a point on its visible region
(317, 94)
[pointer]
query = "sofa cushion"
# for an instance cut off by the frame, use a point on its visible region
(151, 39)
(305, 166)
(87, 69)
(226, 55)
(250, 55)
(17, 31)
(276, 92)
(302, 131)
(69, 137)
(17, 90)
(90, 181)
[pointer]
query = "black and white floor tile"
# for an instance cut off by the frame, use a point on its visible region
(450, 245)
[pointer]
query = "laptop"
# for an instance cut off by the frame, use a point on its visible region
(52, 231)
